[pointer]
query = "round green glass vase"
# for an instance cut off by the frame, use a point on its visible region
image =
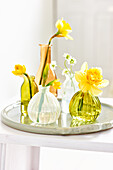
(85, 107)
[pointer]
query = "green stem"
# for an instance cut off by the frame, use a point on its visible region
(65, 64)
(29, 84)
(47, 54)
(43, 83)
(60, 67)
(66, 67)
(71, 69)
(40, 106)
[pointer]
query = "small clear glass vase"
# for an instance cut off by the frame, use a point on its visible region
(84, 108)
(44, 107)
(69, 88)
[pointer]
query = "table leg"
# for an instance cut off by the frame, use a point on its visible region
(3, 156)
(34, 158)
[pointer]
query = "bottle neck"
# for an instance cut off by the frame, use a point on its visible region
(69, 76)
(43, 89)
(43, 51)
(32, 78)
(25, 78)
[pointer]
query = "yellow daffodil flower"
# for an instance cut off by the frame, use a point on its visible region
(90, 80)
(63, 29)
(19, 70)
(56, 84)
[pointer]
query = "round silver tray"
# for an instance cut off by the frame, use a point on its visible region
(11, 116)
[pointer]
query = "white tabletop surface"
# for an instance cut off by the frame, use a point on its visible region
(100, 141)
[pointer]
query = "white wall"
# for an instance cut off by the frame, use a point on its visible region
(23, 25)
(92, 30)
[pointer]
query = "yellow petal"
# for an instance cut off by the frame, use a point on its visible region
(59, 24)
(68, 37)
(103, 84)
(95, 91)
(100, 69)
(66, 25)
(14, 72)
(78, 76)
(56, 84)
(24, 69)
(63, 29)
(84, 86)
(84, 67)
(19, 70)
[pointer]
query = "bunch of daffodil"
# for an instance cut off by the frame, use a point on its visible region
(20, 71)
(55, 83)
(90, 79)
(63, 31)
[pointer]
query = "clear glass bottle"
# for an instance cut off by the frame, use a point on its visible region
(44, 107)
(85, 107)
(69, 88)
(25, 94)
(51, 74)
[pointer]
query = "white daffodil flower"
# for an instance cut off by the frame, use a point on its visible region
(53, 64)
(67, 56)
(65, 71)
(72, 61)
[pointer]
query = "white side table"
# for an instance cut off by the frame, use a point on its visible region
(100, 141)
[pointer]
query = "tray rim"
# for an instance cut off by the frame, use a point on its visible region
(58, 130)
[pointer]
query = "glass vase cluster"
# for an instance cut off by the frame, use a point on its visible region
(69, 87)
(44, 107)
(84, 107)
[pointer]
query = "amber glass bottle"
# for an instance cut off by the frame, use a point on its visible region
(51, 75)
(25, 96)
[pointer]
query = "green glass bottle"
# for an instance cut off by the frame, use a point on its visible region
(85, 107)
(26, 96)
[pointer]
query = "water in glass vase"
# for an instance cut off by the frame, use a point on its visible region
(84, 107)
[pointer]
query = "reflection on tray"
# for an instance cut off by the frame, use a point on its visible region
(63, 121)
(12, 117)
